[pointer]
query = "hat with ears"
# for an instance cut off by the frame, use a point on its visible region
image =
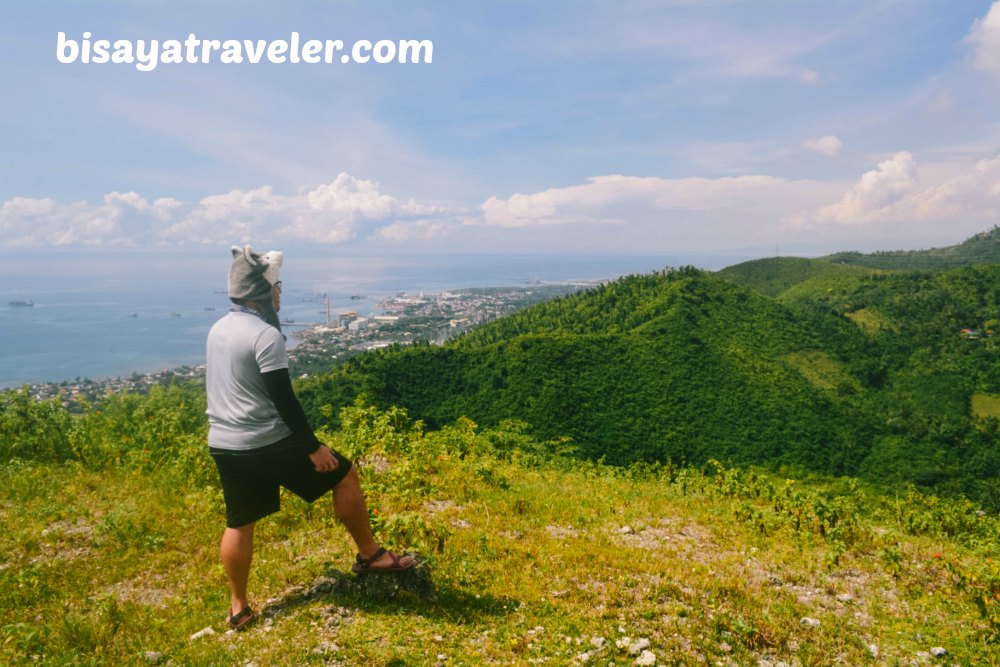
(251, 276)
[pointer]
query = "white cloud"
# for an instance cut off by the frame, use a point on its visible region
(616, 199)
(417, 230)
(876, 192)
(331, 213)
(809, 76)
(985, 40)
(894, 192)
(635, 213)
(829, 145)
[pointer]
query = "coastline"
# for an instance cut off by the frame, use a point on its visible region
(402, 319)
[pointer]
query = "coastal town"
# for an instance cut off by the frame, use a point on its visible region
(400, 319)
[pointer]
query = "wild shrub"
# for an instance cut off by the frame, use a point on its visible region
(139, 430)
(33, 430)
(365, 428)
(981, 581)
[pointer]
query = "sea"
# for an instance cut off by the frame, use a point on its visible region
(112, 313)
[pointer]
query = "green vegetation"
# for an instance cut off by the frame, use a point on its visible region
(109, 555)
(847, 371)
(791, 460)
(773, 276)
(982, 248)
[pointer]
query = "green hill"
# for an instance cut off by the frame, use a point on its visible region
(846, 372)
(983, 248)
(679, 365)
(774, 275)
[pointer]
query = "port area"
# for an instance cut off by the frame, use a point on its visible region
(405, 318)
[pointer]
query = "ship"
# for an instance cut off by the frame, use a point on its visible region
(21, 304)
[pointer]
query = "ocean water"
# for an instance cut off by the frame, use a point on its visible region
(105, 313)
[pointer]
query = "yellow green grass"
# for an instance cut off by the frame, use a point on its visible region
(871, 321)
(533, 558)
(822, 370)
(986, 406)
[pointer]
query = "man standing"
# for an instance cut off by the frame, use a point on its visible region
(259, 436)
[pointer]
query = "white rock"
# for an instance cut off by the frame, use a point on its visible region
(845, 598)
(623, 642)
(153, 657)
(598, 642)
(204, 632)
(938, 652)
(725, 647)
(627, 530)
(873, 649)
(583, 657)
(809, 622)
(646, 658)
(638, 646)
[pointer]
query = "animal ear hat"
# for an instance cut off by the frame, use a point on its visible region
(251, 276)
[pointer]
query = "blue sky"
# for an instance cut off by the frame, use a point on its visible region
(633, 126)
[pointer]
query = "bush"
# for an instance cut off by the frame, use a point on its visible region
(33, 430)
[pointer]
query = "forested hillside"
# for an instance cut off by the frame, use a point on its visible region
(846, 372)
(774, 275)
(983, 248)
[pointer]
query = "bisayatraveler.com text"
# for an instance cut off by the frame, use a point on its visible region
(147, 54)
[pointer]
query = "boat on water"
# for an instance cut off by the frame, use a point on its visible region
(21, 304)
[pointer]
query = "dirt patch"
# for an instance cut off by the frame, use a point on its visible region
(142, 593)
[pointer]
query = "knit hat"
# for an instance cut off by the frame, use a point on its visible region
(251, 277)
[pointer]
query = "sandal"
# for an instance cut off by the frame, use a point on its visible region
(366, 564)
(241, 620)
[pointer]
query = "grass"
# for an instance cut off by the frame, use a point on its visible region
(822, 370)
(532, 559)
(872, 321)
(986, 406)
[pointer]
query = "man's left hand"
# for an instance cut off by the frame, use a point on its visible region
(324, 460)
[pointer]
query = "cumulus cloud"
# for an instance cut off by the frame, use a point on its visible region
(894, 192)
(624, 212)
(334, 212)
(876, 193)
(829, 145)
(985, 40)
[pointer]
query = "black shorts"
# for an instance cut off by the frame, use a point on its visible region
(252, 480)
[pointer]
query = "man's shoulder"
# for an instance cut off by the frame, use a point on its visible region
(237, 321)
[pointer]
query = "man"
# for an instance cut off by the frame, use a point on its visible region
(259, 436)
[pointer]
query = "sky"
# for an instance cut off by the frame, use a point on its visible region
(546, 126)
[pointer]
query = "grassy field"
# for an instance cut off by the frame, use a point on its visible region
(529, 558)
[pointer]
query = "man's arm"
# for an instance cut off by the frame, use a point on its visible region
(279, 389)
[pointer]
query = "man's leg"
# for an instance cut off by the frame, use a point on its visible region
(349, 506)
(236, 551)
